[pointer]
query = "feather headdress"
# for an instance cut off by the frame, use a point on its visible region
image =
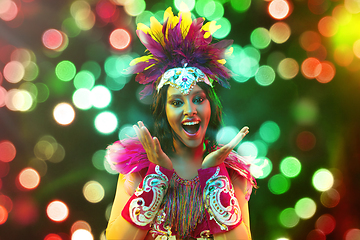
(178, 42)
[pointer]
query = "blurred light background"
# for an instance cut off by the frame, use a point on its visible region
(65, 96)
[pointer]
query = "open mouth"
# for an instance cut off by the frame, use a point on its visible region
(191, 127)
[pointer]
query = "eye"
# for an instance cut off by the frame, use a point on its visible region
(198, 99)
(176, 103)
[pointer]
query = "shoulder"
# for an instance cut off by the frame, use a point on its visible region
(127, 156)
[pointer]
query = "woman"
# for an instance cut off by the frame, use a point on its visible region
(178, 184)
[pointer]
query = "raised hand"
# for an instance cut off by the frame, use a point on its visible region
(152, 147)
(217, 157)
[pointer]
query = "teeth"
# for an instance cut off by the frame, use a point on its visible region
(191, 123)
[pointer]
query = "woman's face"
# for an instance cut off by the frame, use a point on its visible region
(188, 115)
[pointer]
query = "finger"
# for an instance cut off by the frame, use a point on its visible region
(237, 139)
(147, 137)
(157, 145)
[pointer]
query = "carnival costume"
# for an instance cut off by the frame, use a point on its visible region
(180, 53)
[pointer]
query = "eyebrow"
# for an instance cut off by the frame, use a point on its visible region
(180, 95)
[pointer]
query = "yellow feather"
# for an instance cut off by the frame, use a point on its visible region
(222, 61)
(168, 14)
(140, 59)
(143, 28)
(210, 28)
(156, 30)
(186, 19)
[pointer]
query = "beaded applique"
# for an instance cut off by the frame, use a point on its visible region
(158, 184)
(224, 216)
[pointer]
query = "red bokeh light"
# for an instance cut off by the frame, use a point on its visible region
(311, 68)
(120, 39)
(7, 151)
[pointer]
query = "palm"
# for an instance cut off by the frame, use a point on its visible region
(152, 147)
(217, 157)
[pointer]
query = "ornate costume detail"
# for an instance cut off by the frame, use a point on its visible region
(183, 79)
(177, 41)
(158, 184)
(224, 216)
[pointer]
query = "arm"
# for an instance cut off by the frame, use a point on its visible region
(118, 227)
(241, 232)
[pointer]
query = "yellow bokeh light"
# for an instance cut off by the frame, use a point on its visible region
(93, 191)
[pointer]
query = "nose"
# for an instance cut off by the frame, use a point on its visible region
(189, 109)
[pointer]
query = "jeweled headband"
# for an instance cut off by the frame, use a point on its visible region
(180, 53)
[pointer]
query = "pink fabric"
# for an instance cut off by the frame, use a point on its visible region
(144, 204)
(127, 156)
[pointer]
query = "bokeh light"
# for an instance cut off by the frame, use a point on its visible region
(64, 113)
(9, 10)
(322, 180)
(80, 224)
(279, 9)
(330, 198)
(265, 75)
(311, 68)
(106, 122)
(288, 68)
(29, 178)
(305, 111)
(224, 30)
(52, 236)
(326, 223)
(316, 234)
(179, 4)
(93, 191)
(305, 208)
(352, 234)
(3, 215)
(279, 32)
(226, 134)
(14, 71)
(288, 218)
(305, 141)
(98, 159)
(310, 40)
(54, 39)
(57, 211)
(278, 184)
(134, 8)
(82, 99)
(269, 131)
(65, 70)
(126, 131)
(261, 167)
(248, 149)
(290, 167)
(240, 6)
(100, 96)
(328, 26)
(84, 79)
(82, 234)
(7, 151)
(260, 38)
(120, 39)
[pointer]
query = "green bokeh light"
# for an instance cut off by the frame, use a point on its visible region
(116, 66)
(144, 18)
(288, 218)
(240, 6)
(224, 30)
(322, 180)
(248, 149)
(305, 111)
(98, 159)
(265, 75)
(269, 131)
(42, 92)
(262, 148)
(305, 208)
(92, 67)
(126, 131)
(264, 164)
(31, 71)
(100, 96)
(115, 84)
(215, 11)
(70, 27)
(106, 122)
(189, 3)
(81, 99)
(260, 38)
(290, 167)
(200, 6)
(84, 79)
(65, 70)
(278, 184)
